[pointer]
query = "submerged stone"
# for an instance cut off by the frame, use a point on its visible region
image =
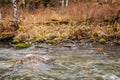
(110, 76)
(99, 51)
(30, 58)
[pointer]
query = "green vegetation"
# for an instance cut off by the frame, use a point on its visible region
(55, 40)
(22, 45)
(15, 41)
(102, 41)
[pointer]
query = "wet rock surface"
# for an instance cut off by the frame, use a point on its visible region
(65, 61)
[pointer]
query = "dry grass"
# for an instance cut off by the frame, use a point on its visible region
(84, 21)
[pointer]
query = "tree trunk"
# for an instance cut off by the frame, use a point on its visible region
(67, 2)
(0, 16)
(63, 2)
(15, 13)
(57, 3)
(23, 2)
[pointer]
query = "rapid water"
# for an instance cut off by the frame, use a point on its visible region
(65, 61)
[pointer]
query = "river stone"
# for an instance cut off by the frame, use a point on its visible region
(32, 58)
(110, 76)
(97, 78)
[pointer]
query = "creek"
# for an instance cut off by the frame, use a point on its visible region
(64, 61)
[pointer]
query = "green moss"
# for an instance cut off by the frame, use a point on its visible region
(55, 40)
(51, 41)
(15, 41)
(102, 41)
(22, 45)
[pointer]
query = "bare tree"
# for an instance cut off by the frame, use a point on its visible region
(23, 2)
(0, 16)
(67, 2)
(63, 2)
(14, 2)
(57, 3)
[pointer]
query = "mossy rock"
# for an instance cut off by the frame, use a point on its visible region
(22, 45)
(16, 41)
(102, 41)
(55, 40)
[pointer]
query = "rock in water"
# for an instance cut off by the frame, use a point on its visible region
(110, 76)
(32, 58)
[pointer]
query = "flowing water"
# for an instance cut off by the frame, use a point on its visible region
(65, 61)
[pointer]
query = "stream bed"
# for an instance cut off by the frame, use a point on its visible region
(64, 61)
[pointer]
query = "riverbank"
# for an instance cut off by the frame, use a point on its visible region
(55, 33)
(91, 21)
